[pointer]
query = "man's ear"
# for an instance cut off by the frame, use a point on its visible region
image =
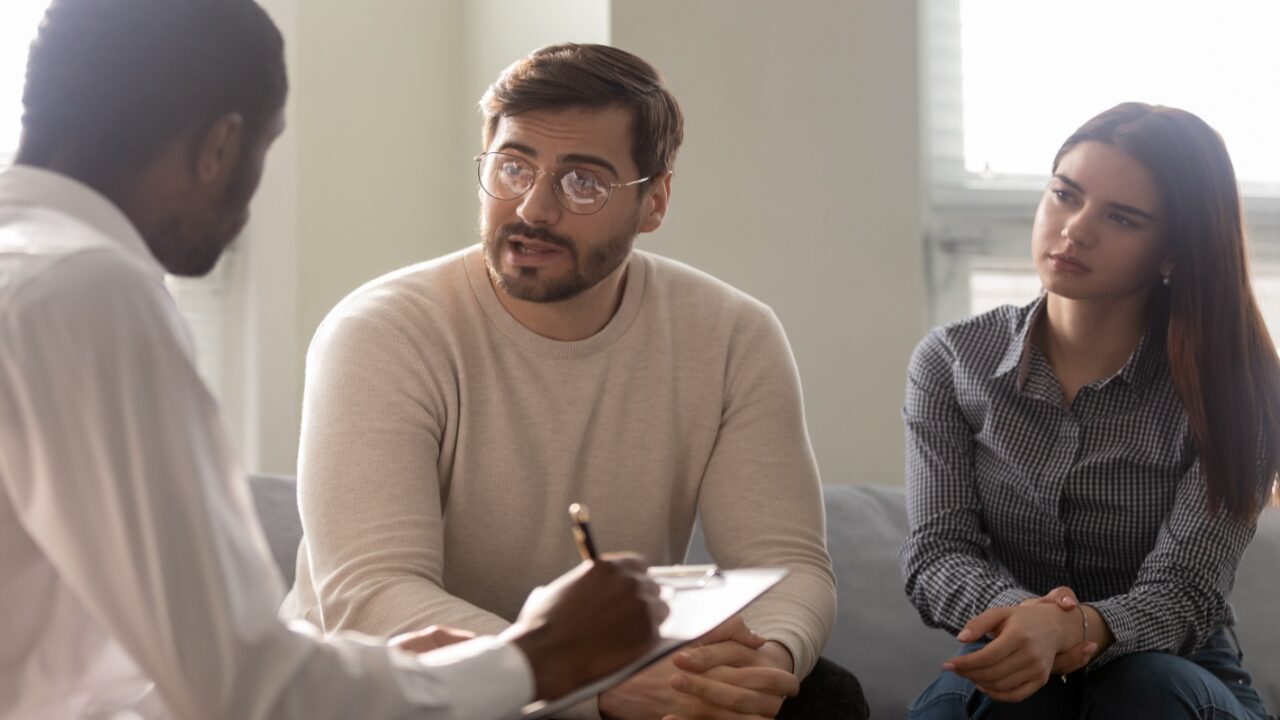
(218, 149)
(658, 196)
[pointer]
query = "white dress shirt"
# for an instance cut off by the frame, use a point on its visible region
(134, 579)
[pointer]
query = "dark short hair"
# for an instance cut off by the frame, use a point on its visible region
(112, 81)
(573, 75)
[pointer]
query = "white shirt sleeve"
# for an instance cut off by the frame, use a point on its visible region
(116, 463)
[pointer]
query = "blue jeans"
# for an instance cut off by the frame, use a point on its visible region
(1208, 685)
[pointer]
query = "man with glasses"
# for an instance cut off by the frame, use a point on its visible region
(454, 409)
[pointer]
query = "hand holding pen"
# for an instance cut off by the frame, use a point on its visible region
(592, 620)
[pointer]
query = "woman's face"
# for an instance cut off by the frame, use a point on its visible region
(1098, 232)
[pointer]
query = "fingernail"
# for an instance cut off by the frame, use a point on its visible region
(1069, 601)
(1091, 647)
(949, 666)
(965, 635)
(686, 656)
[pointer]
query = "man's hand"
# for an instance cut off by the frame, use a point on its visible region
(432, 638)
(1079, 656)
(731, 674)
(588, 623)
(1017, 663)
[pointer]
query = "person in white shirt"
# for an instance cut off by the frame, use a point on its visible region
(134, 580)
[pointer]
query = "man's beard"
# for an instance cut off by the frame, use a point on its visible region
(190, 245)
(532, 285)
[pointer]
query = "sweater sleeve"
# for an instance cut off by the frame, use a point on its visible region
(761, 499)
(368, 482)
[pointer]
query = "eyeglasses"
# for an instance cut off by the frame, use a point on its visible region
(579, 190)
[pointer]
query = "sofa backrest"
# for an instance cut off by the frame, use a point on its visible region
(276, 498)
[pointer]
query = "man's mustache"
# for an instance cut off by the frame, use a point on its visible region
(534, 233)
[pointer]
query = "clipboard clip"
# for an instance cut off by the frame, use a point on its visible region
(687, 577)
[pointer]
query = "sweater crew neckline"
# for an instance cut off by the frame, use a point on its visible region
(622, 320)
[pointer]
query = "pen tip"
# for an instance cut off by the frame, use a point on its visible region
(578, 512)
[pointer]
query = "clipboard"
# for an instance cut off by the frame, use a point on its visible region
(701, 597)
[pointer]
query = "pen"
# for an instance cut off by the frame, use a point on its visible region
(580, 532)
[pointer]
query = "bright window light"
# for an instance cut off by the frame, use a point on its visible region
(18, 22)
(1035, 71)
(989, 288)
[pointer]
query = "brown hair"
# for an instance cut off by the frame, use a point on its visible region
(1222, 359)
(592, 76)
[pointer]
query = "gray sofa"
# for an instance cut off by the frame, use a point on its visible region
(878, 635)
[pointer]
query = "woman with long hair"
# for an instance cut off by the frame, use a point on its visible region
(1084, 472)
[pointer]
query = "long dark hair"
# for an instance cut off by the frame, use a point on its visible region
(1223, 362)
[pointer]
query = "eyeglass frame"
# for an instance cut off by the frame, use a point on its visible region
(555, 189)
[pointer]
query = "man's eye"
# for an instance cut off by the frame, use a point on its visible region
(580, 183)
(513, 169)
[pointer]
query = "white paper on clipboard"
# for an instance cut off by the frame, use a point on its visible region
(696, 609)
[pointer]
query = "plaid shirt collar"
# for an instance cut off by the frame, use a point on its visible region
(1137, 372)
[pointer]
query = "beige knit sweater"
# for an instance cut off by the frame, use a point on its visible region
(442, 442)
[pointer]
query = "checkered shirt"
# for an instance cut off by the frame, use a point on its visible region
(1011, 494)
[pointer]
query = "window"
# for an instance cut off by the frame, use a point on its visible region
(202, 301)
(1008, 80)
(1032, 72)
(18, 22)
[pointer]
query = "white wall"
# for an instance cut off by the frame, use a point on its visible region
(799, 183)
(378, 166)
(259, 380)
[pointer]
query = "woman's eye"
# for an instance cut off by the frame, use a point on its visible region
(1123, 221)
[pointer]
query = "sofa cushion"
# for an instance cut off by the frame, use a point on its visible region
(878, 635)
(1256, 599)
(276, 499)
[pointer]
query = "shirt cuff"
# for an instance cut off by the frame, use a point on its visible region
(481, 678)
(1123, 631)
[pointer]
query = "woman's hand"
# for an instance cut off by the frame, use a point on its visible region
(1068, 661)
(1017, 663)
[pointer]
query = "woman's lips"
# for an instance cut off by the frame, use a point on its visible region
(1068, 263)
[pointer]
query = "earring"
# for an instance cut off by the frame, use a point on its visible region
(1167, 281)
